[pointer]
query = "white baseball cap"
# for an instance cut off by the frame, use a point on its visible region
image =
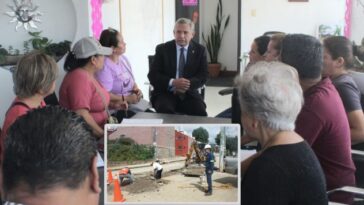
(88, 46)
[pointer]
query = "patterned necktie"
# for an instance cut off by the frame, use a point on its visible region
(181, 63)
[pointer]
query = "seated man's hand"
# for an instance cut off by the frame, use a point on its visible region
(181, 84)
(179, 91)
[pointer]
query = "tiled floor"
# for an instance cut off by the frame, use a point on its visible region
(215, 102)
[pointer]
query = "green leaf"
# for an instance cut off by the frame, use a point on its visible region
(35, 34)
(214, 38)
(227, 22)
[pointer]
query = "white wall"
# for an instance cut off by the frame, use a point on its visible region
(357, 28)
(60, 21)
(228, 54)
(53, 22)
(259, 16)
(110, 14)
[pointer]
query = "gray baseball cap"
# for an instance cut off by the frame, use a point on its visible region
(88, 46)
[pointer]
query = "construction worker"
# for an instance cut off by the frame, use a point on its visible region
(125, 176)
(158, 169)
(209, 164)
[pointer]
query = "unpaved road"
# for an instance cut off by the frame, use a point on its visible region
(175, 187)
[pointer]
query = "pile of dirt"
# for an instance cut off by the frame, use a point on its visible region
(147, 184)
(144, 184)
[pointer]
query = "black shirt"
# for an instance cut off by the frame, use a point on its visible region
(285, 174)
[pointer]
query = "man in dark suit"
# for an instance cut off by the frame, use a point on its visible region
(178, 70)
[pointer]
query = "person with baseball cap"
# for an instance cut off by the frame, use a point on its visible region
(80, 91)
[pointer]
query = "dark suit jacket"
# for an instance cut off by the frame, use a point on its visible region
(164, 68)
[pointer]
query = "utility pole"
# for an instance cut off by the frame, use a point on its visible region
(154, 130)
(222, 149)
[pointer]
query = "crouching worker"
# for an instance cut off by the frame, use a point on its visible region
(50, 158)
(158, 169)
(125, 176)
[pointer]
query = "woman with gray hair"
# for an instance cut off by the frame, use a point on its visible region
(285, 170)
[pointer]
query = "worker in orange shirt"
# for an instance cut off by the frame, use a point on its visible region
(125, 176)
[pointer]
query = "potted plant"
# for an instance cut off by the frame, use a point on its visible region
(214, 39)
(11, 56)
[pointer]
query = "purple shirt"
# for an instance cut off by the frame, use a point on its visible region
(323, 123)
(117, 78)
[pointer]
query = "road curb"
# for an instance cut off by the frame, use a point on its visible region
(145, 164)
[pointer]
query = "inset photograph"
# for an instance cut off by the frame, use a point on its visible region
(172, 163)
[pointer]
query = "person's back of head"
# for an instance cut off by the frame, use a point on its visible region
(83, 51)
(263, 94)
(262, 44)
(108, 38)
(304, 53)
(277, 41)
(35, 72)
(49, 150)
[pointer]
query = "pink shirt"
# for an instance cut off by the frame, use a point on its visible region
(117, 78)
(12, 114)
(78, 91)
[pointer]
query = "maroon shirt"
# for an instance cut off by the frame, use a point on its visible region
(324, 125)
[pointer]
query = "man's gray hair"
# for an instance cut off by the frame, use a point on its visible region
(271, 93)
(186, 21)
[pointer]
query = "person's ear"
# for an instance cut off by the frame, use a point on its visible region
(249, 123)
(255, 123)
(193, 34)
(93, 60)
(113, 48)
(339, 62)
(94, 176)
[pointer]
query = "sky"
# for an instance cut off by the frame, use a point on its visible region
(213, 130)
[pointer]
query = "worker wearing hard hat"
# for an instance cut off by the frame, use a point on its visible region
(209, 164)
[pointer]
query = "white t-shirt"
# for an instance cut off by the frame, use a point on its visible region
(157, 166)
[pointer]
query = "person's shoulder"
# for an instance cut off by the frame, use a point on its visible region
(13, 113)
(265, 162)
(18, 110)
(196, 45)
(345, 78)
(77, 75)
(322, 100)
(108, 62)
(167, 44)
(322, 90)
(163, 47)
